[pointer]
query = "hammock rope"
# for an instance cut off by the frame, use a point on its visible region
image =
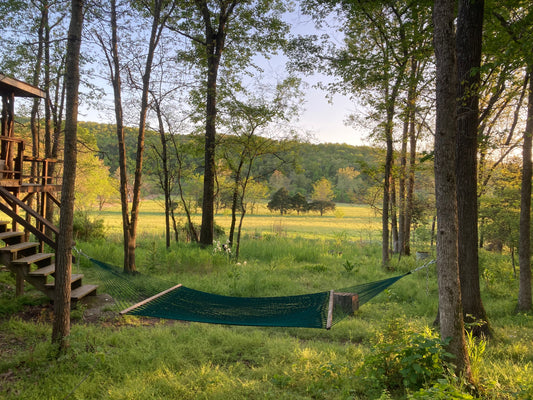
(142, 295)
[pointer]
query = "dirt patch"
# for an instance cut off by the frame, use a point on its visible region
(97, 308)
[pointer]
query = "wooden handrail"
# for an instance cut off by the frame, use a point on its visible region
(13, 200)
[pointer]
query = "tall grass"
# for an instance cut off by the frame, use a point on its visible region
(131, 358)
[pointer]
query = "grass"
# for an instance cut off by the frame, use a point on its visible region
(131, 358)
(358, 222)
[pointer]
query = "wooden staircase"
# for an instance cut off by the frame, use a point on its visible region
(22, 178)
(29, 264)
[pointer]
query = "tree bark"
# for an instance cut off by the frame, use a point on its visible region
(61, 324)
(165, 179)
(410, 183)
(114, 66)
(450, 308)
(214, 45)
(524, 247)
(468, 47)
(235, 202)
(385, 258)
(412, 137)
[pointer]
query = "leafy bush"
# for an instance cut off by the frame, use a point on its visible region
(405, 360)
(87, 229)
(443, 390)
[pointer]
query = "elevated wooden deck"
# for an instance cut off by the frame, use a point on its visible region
(28, 191)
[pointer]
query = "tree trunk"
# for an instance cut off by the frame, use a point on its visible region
(402, 175)
(468, 47)
(214, 47)
(524, 249)
(61, 324)
(114, 66)
(410, 184)
(155, 35)
(165, 179)
(386, 192)
(208, 200)
(394, 217)
(450, 308)
(411, 117)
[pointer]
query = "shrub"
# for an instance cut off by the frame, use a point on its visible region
(86, 229)
(404, 360)
(441, 390)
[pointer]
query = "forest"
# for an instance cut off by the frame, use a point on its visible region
(190, 119)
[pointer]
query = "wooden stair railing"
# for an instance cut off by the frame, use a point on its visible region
(10, 209)
(24, 258)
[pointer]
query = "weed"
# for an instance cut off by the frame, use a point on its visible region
(442, 390)
(405, 360)
(348, 266)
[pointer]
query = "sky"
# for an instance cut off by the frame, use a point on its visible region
(323, 117)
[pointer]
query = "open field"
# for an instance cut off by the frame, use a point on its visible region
(354, 221)
(387, 350)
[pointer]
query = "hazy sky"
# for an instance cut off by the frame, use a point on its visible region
(325, 119)
(322, 117)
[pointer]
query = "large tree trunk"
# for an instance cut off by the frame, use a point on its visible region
(524, 247)
(214, 46)
(385, 258)
(61, 324)
(468, 45)
(450, 308)
(208, 200)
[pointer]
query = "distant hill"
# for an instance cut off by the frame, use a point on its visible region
(311, 162)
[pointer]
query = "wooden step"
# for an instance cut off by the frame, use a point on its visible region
(45, 271)
(15, 248)
(11, 237)
(75, 281)
(82, 291)
(3, 225)
(35, 258)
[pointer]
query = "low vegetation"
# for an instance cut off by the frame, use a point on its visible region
(388, 350)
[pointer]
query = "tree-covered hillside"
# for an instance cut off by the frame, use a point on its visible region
(349, 168)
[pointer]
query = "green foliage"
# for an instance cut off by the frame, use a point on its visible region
(299, 203)
(476, 350)
(87, 228)
(322, 206)
(150, 359)
(442, 390)
(403, 359)
(348, 266)
(9, 304)
(280, 201)
(322, 190)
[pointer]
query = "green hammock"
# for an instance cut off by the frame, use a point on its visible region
(143, 296)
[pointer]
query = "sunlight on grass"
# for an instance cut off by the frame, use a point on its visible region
(134, 358)
(354, 221)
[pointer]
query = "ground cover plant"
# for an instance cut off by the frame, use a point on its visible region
(388, 349)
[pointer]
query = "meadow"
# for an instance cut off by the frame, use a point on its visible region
(389, 349)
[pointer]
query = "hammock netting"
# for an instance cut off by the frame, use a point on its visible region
(142, 295)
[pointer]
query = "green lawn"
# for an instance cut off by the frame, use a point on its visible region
(372, 355)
